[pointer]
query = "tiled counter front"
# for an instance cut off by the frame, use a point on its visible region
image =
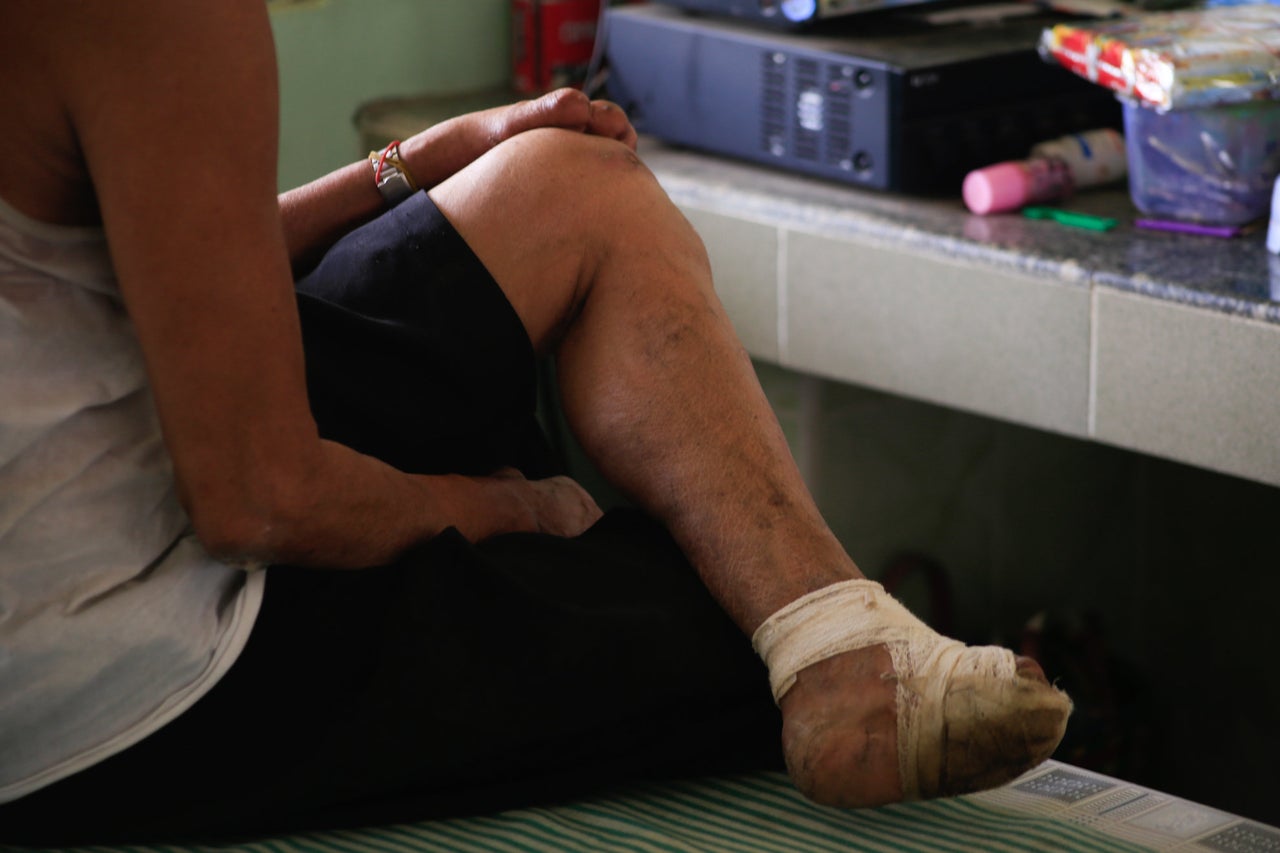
(1161, 343)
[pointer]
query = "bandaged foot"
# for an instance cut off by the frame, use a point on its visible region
(967, 718)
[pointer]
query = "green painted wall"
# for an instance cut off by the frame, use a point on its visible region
(335, 55)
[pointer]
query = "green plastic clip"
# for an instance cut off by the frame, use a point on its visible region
(1070, 217)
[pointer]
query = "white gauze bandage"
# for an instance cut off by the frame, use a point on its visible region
(858, 614)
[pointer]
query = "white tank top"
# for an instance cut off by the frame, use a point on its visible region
(113, 619)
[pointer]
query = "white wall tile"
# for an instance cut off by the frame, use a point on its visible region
(996, 342)
(1186, 384)
(744, 262)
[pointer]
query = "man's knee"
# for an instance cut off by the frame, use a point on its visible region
(578, 168)
(557, 145)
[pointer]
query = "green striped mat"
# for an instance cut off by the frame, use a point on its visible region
(756, 813)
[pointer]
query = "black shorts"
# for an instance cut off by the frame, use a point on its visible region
(463, 677)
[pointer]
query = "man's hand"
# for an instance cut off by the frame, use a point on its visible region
(556, 505)
(446, 148)
(565, 108)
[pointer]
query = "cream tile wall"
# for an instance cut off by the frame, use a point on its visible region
(1003, 343)
(1187, 385)
(745, 254)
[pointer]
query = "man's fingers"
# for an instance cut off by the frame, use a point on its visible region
(608, 119)
(572, 110)
(570, 510)
(566, 108)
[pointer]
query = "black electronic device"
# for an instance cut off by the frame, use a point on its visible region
(788, 13)
(896, 102)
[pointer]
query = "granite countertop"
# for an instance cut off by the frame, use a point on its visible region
(1235, 276)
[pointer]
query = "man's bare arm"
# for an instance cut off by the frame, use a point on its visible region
(175, 108)
(317, 214)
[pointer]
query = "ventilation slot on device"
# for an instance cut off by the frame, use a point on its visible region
(773, 129)
(809, 110)
(840, 86)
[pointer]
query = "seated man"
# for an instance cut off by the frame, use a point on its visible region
(199, 380)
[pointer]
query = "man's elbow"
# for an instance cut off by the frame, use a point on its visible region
(256, 522)
(235, 534)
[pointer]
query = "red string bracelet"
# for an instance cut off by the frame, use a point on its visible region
(382, 159)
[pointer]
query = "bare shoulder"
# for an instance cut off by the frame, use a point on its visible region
(83, 75)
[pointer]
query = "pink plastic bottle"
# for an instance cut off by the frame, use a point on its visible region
(1055, 170)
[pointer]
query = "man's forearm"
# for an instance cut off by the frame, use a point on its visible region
(332, 507)
(315, 215)
(318, 214)
(346, 510)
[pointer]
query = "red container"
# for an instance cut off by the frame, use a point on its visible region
(551, 43)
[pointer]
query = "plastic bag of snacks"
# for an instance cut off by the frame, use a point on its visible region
(1177, 60)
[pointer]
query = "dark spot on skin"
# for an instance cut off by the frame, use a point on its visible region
(674, 332)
